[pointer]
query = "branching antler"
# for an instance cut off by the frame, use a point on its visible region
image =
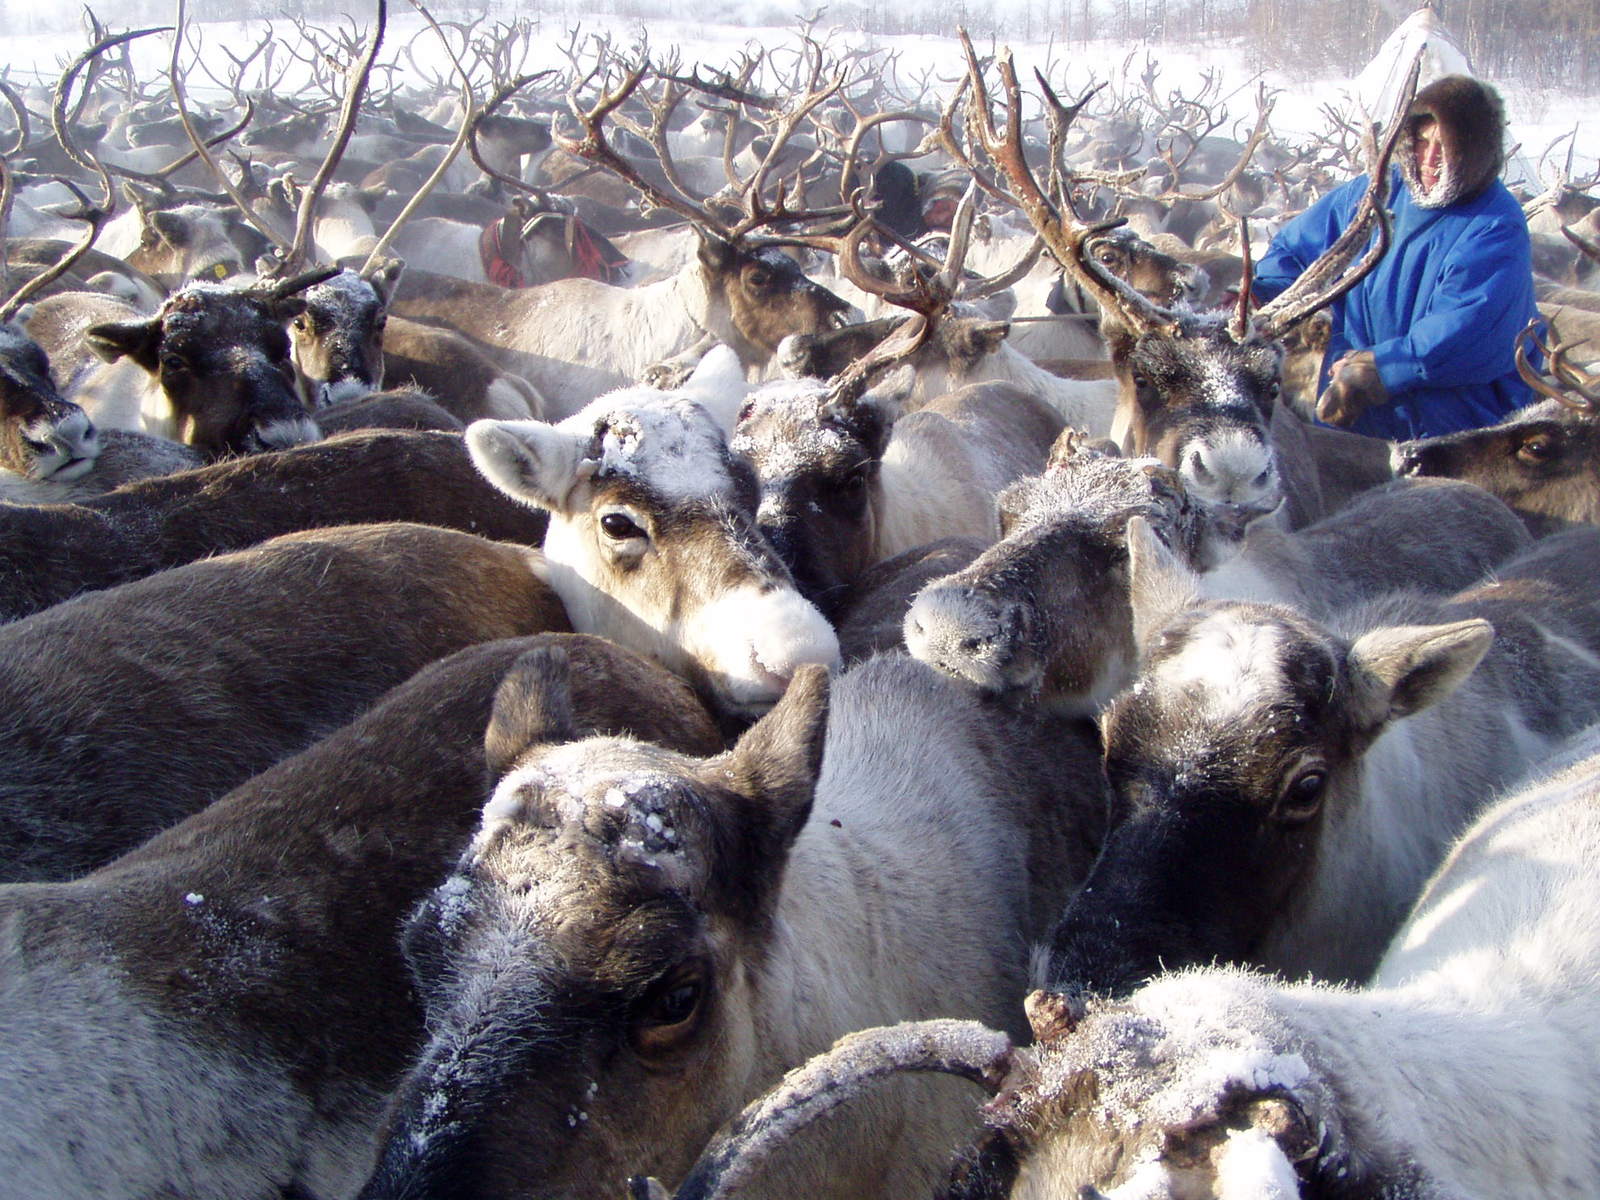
(468, 118)
(94, 216)
(176, 77)
(300, 247)
(1573, 386)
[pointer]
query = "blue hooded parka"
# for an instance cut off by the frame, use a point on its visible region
(1441, 311)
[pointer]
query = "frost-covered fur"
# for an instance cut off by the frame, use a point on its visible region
(652, 540)
(1468, 1068)
(1286, 787)
(223, 1012)
(894, 884)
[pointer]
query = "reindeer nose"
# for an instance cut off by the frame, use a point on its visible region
(969, 635)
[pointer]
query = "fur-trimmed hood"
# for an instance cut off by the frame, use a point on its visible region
(1472, 122)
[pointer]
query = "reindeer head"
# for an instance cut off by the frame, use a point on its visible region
(589, 968)
(42, 435)
(221, 357)
(653, 541)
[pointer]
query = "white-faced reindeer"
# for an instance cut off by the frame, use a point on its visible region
(1464, 1069)
(637, 942)
(653, 541)
(225, 1011)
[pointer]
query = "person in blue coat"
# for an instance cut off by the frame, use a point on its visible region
(1425, 344)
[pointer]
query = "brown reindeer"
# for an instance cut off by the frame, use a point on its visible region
(51, 553)
(211, 368)
(129, 709)
(261, 1012)
(1541, 460)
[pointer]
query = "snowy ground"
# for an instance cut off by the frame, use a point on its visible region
(1537, 118)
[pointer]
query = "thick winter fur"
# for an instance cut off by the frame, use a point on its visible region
(1544, 461)
(123, 457)
(127, 710)
(961, 351)
(1439, 537)
(575, 339)
(1466, 1069)
(847, 485)
(211, 368)
(224, 1011)
(1472, 124)
(638, 943)
(1284, 787)
(653, 541)
(52, 553)
(1044, 613)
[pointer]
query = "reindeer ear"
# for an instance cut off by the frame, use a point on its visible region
(532, 461)
(533, 705)
(1160, 585)
(776, 763)
(972, 341)
(718, 385)
(138, 340)
(1406, 668)
(716, 253)
(386, 278)
(170, 228)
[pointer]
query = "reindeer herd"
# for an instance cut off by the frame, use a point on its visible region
(841, 590)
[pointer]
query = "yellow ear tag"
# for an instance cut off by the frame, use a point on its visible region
(220, 271)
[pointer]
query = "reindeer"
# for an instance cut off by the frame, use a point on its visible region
(205, 674)
(1044, 615)
(260, 1012)
(1285, 786)
(1540, 460)
(211, 368)
(345, 345)
(638, 941)
(1222, 1084)
(576, 338)
(653, 541)
(847, 482)
(1199, 392)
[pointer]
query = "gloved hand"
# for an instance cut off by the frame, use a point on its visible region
(1353, 388)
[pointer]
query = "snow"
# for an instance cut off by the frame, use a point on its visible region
(664, 440)
(1253, 1167)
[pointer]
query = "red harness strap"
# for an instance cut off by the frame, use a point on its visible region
(493, 259)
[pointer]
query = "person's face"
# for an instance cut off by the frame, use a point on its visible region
(1430, 154)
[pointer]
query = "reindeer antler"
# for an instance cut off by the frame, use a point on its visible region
(1573, 386)
(1332, 275)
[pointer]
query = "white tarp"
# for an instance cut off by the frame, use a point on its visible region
(1381, 79)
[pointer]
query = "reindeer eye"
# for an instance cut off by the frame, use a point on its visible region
(1303, 797)
(759, 277)
(618, 527)
(667, 1011)
(1537, 449)
(301, 323)
(172, 363)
